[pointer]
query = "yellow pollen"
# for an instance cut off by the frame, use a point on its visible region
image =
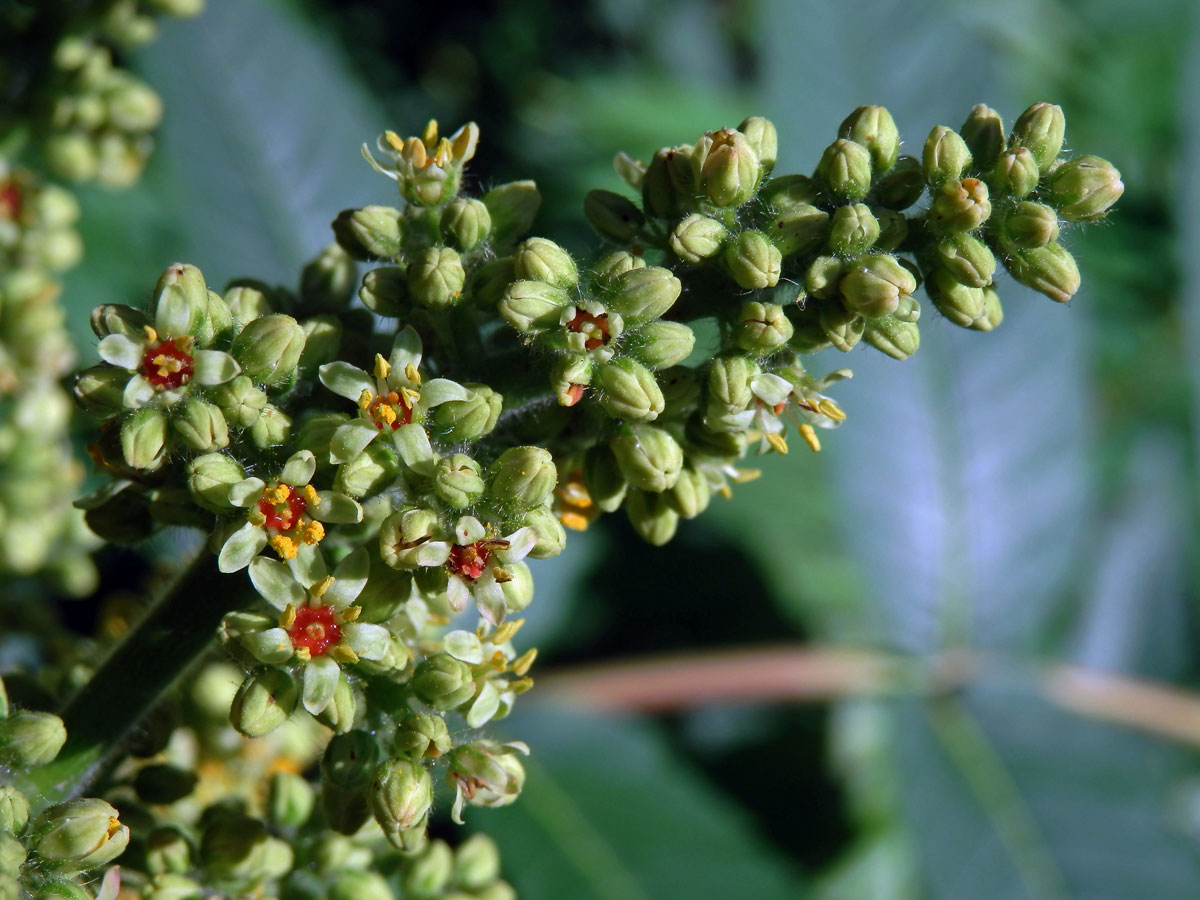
(810, 437)
(445, 152)
(745, 476)
(317, 591)
(573, 493)
(303, 654)
(430, 135)
(284, 546)
(383, 368)
(257, 518)
(725, 491)
(114, 825)
(411, 373)
(573, 520)
(501, 576)
(365, 398)
(151, 335)
(287, 618)
(416, 154)
(411, 397)
(310, 495)
(311, 533)
(523, 662)
(521, 685)
(278, 494)
(778, 443)
(385, 414)
(349, 614)
(343, 653)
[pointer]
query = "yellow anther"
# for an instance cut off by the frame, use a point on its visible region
(573, 520)
(505, 632)
(303, 654)
(810, 437)
(725, 491)
(501, 576)
(394, 140)
(414, 152)
(343, 653)
(430, 135)
(349, 614)
(411, 373)
(831, 410)
(383, 368)
(317, 591)
(523, 662)
(365, 399)
(151, 334)
(114, 825)
(278, 494)
(257, 518)
(284, 546)
(310, 495)
(310, 533)
(521, 685)
(575, 494)
(287, 618)
(777, 443)
(445, 153)
(385, 414)
(745, 476)
(411, 397)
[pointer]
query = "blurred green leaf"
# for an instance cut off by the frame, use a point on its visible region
(609, 812)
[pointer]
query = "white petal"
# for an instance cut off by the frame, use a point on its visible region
(246, 491)
(368, 641)
(275, 583)
(320, 681)
(214, 367)
(406, 350)
(484, 707)
(122, 352)
(241, 547)
(442, 390)
(336, 509)
(346, 380)
(308, 566)
(464, 645)
(349, 578)
(138, 392)
(351, 439)
(300, 469)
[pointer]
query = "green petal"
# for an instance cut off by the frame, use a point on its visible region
(349, 578)
(351, 439)
(300, 469)
(174, 313)
(346, 380)
(320, 681)
(138, 392)
(308, 566)
(214, 367)
(442, 390)
(464, 645)
(413, 445)
(405, 349)
(241, 547)
(275, 583)
(122, 352)
(336, 509)
(368, 641)
(272, 646)
(484, 707)
(246, 491)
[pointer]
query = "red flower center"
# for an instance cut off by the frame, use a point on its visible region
(10, 201)
(315, 629)
(285, 513)
(595, 327)
(167, 365)
(469, 561)
(390, 409)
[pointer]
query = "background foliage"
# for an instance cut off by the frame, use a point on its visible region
(1030, 496)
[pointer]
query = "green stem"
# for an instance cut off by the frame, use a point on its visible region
(135, 676)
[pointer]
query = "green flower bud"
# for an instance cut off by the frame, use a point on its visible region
(1028, 225)
(901, 187)
(648, 457)
(271, 429)
(551, 538)
(763, 139)
(542, 260)
(983, 132)
(235, 846)
(328, 281)
(603, 479)
(1016, 172)
(525, 476)
(269, 348)
(168, 850)
(532, 306)
(570, 375)
(651, 516)
(466, 222)
(845, 167)
(798, 229)
(893, 337)
(1083, 189)
(200, 425)
(360, 886)
(893, 230)
(461, 421)
(248, 301)
(961, 304)
(690, 495)
(187, 282)
(80, 835)
(961, 205)
(265, 700)
(518, 590)
(753, 261)
(100, 390)
(163, 783)
(12, 857)
(670, 184)
(420, 734)
(967, 258)
(875, 284)
(458, 480)
(945, 156)
(143, 438)
(443, 682)
(373, 232)
(808, 335)
(120, 516)
(853, 229)
(730, 170)
(429, 874)
(347, 767)
(787, 191)
(368, 473)
(290, 800)
(342, 710)
(822, 277)
(436, 277)
(697, 238)
(218, 321)
(403, 534)
(401, 795)
(612, 216)
(762, 328)
(641, 295)
(513, 207)
(628, 390)
(14, 809)
(489, 280)
(843, 328)
(875, 129)
(712, 444)
(613, 264)
(729, 381)
(1049, 269)
(658, 345)
(322, 341)
(115, 318)
(1041, 129)
(384, 291)
(31, 739)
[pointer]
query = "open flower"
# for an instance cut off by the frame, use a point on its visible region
(790, 396)
(427, 168)
(488, 568)
(317, 624)
(392, 402)
(286, 513)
